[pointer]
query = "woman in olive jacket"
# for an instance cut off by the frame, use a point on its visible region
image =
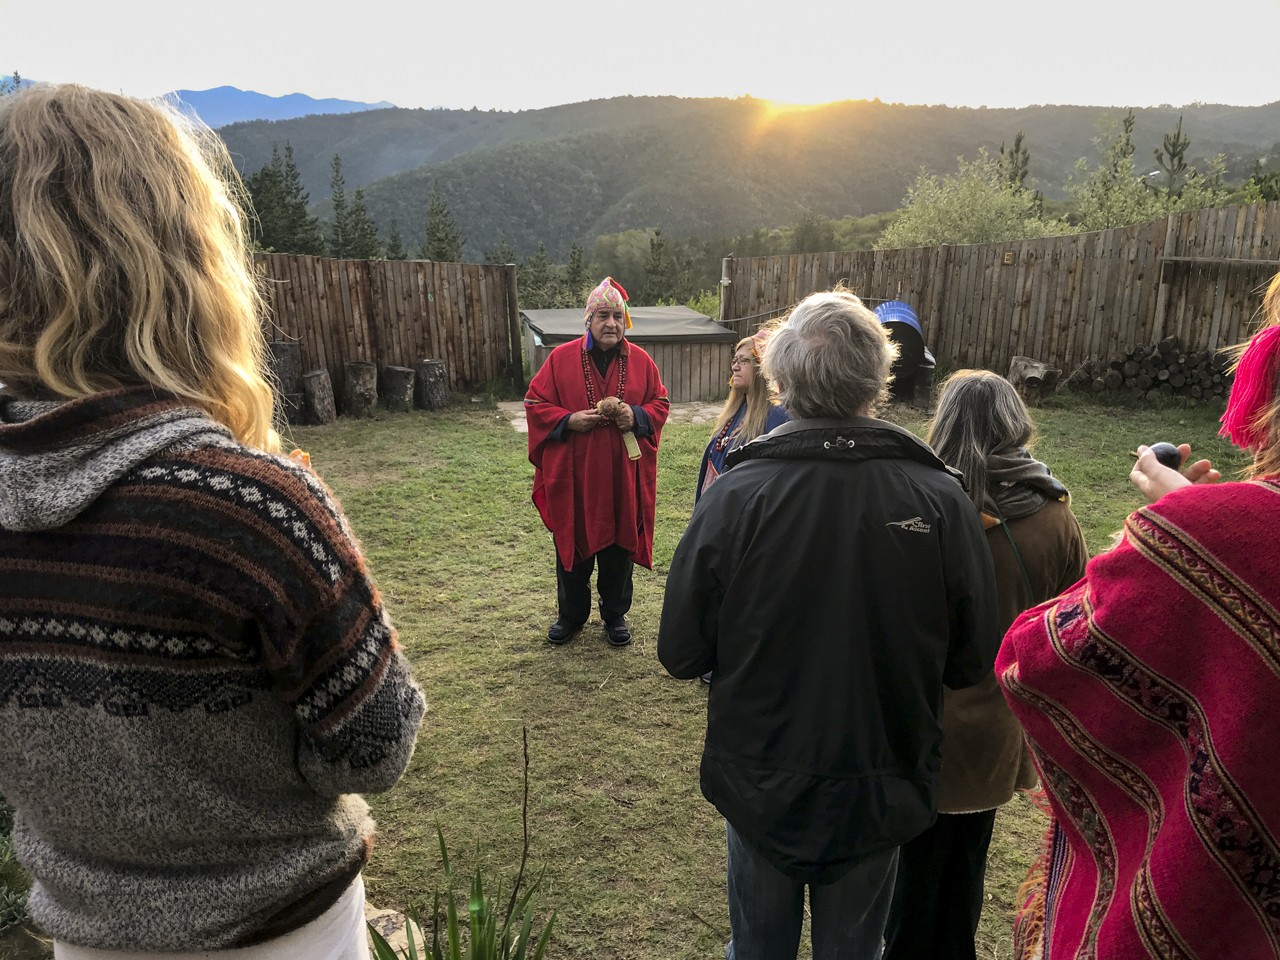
(982, 428)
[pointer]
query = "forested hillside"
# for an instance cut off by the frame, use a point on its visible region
(694, 167)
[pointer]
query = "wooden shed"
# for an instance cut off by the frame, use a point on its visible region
(691, 350)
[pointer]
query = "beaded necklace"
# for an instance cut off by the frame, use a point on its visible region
(723, 438)
(587, 370)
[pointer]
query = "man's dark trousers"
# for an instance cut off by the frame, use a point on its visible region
(573, 587)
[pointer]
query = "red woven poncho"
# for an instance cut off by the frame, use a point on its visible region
(1148, 693)
(588, 492)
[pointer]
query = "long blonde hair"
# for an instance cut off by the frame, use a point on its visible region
(124, 259)
(757, 398)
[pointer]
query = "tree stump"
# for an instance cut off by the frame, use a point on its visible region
(318, 405)
(397, 388)
(361, 394)
(1034, 380)
(285, 362)
(291, 408)
(923, 397)
(432, 390)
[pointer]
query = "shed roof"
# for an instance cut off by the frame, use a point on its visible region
(650, 325)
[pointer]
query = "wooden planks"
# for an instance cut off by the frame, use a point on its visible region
(392, 313)
(1062, 300)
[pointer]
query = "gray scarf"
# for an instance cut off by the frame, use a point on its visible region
(1019, 483)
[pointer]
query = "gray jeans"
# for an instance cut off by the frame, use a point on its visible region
(766, 908)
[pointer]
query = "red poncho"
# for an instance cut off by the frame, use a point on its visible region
(588, 492)
(1148, 695)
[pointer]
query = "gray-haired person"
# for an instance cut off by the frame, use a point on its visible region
(834, 579)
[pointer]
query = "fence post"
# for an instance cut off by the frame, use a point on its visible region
(1162, 290)
(726, 290)
(513, 330)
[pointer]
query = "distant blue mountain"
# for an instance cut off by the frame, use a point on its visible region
(223, 105)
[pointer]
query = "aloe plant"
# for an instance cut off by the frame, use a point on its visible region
(493, 933)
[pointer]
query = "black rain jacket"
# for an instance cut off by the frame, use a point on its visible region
(834, 579)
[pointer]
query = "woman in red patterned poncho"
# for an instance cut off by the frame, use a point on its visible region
(1145, 693)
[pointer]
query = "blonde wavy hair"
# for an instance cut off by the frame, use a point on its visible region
(757, 397)
(124, 259)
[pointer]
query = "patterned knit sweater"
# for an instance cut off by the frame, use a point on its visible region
(196, 677)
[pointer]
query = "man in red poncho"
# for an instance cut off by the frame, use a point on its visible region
(595, 411)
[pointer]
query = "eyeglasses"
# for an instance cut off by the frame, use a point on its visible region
(742, 361)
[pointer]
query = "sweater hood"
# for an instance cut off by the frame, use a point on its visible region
(57, 457)
(857, 438)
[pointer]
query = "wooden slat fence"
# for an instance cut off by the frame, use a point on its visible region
(696, 371)
(394, 313)
(1063, 300)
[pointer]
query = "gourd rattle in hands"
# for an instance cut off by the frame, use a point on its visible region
(609, 408)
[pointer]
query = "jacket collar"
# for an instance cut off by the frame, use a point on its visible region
(854, 438)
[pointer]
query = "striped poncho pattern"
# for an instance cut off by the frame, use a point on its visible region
(1148, 694)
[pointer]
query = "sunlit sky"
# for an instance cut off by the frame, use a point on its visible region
(537, 53)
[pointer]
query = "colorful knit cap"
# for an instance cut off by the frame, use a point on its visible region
(1253, 388)
(758, 340)
(609, 294)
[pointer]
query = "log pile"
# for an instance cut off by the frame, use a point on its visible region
(1032, 379)
(1162, 369)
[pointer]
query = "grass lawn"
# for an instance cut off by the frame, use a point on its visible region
(634, 856)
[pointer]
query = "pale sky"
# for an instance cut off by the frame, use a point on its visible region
(538, 53)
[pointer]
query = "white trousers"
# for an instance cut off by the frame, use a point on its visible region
(337, 934)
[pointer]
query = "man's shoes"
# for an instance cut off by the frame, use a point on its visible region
(706, 677)
(562, 631)
(618, 631)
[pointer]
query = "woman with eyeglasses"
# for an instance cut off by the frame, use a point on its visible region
(748, 412)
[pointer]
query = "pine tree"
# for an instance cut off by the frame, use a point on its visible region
(1172, 160)
(502, 253)
(395, 243)
(1014, 163)
(575, 273)
(266, 196)
(302, 231)
(813, 235)
(338, 229)
(536, 275)
(281, 223)
(362, 232)
(443, 239)
(656, 268)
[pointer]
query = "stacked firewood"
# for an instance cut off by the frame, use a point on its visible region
(1159, 369)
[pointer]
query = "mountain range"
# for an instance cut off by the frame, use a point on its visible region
(223, 105)
(696, 167)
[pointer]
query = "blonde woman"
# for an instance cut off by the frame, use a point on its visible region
(197, 675)
(748, 412)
